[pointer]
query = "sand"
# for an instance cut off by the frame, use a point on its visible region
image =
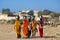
(50, 33)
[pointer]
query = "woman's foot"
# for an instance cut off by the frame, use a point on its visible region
(18, 36)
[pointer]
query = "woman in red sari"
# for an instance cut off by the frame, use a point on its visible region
(41, 26)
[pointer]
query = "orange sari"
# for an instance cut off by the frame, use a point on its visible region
(25, 27)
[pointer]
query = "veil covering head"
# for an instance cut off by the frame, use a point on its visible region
(17, 17)
(41, 17)
(24, 17)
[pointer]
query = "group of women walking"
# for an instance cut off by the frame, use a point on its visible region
(28, 27)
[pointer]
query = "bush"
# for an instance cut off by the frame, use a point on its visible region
(21, 21)
(11, 21)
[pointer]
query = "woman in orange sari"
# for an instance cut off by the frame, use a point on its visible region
(25, 27)
(17, 27)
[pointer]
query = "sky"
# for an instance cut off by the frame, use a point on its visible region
(19, 5)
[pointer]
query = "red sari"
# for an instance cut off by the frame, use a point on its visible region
(41, 28)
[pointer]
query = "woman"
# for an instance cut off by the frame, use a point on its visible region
(25, 27)
(29, 27)
(17, 27)
(33, 24)
(41, 27)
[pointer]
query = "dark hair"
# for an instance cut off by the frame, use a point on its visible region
(40, 18)
(33, 19)
(25, 16)
(29, 20)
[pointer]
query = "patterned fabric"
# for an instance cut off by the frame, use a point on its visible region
(33, 25)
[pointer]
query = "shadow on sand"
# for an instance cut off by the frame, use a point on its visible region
(41, 37)
(44, 37)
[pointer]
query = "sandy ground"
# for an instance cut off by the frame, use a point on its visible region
(50, 33)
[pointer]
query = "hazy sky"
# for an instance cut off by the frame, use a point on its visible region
(18, 5)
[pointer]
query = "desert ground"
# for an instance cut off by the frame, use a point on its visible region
(50, 33)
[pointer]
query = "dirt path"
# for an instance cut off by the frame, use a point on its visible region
(50, 33)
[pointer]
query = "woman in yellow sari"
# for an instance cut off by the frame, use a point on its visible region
(17, 27)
